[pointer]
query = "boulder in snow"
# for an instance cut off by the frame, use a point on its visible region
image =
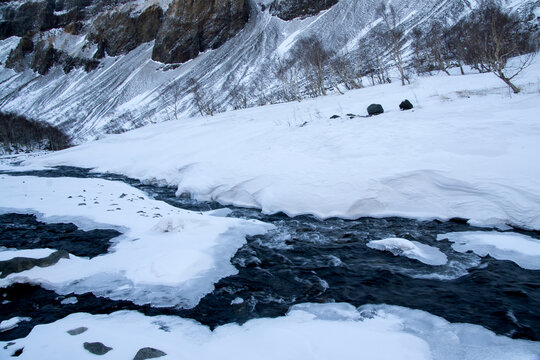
(406, 105)
(375, 109)
(97, 348)
(148, 353)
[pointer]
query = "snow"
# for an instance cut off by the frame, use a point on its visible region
(166, 256)
(412, 249)
(237, 301)
(8, 254)
(12, 323)
(521, 249)
(467, 150)
(322, 331)
(6, 45)
(69, 301)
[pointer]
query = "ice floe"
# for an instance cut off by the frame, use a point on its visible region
(412, 249)
(521, 249)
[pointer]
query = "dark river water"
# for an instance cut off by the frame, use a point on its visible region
(304, 260)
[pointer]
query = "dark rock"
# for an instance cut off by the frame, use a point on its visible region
(45, 57)
(191, 27)
(291, 9)
(70, 62)
(74, 28)
(406, 105)
(335, 117)
(17, 352)
(375, 109)
(26, 44)
(119, 32)
(29, 17)
(17, 59)
(18, 264)
(77, 331)
(97, 348)
(148, 353)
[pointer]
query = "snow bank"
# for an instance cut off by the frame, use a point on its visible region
(166, 257)
(322, 331)
(521, 249)
(412, 249)
(468, 150)
(12, 323)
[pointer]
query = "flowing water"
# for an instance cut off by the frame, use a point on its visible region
(303, 260)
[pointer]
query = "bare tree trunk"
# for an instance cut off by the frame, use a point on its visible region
(507, 81)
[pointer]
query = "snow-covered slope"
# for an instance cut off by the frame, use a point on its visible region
(131, 90)
(468, 149)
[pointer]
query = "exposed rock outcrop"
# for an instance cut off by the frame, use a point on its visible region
(191, 27)
(42, 56)
(30, 16)
(119, 32)
(291, 9)
(187, 28)
(97, 348)
(406, 105)
(375, 109)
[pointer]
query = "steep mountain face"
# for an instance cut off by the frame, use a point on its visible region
(201, 25)
(291, 9)
(185, 29)
(97, 67)
(118, 32)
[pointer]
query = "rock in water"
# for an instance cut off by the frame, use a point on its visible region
(406, 105)
(97, 348)
(148, 353)
(375, 109)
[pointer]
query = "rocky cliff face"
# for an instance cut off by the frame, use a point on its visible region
(118, 32)
(192, 26)
(181, 31)
(290, 9)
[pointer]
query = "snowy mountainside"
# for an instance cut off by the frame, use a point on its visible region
(131, 90)
(466, 150)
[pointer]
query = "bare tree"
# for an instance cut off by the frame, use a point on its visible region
(431, 49)
(313, 58)
(419, 60)
(287, 72)
(173, 97)
(239, 97)
(204, 100)
(346, 71)
(394, 36)
(371, 61)
(261, 91)
(493, 37)
(455, 45)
